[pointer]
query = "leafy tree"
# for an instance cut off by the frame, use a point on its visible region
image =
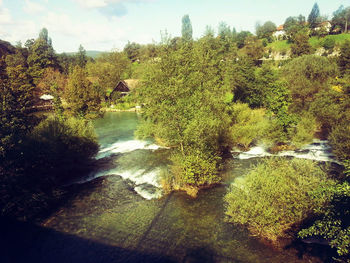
(344, 58)
(333, 221)
(16, 91)
(292, 25)
(132, 50)
(183, 98)
(209, 32)
(306, 76)
(241, 37)
(52, 78)
(41, 56)
(314, 16)
(275, 196)
(80, 57)
(253, 48)
(81, 95)
(266, 30)
(300, 45)
(341, 18)
(186, 30)
(224, 31)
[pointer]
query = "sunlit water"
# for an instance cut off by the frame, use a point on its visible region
(121, 204)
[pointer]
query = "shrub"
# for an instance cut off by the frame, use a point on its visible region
(328, 43)
(57, 146)
(248, 125)
(275, 196)
(339, 139)
(304, 131)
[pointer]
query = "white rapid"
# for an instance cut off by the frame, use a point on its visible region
(124, 147)
(318, 150)
(133, 161)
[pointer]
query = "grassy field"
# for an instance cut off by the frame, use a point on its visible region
(315, 42)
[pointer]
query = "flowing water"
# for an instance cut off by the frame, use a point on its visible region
(121, 205)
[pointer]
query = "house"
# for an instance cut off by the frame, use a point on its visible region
(279, 33)
(324, 25)
(123, 88)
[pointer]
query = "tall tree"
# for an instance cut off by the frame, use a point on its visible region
(186, 28)
(314, 16)
(300, 45)
(81, 95)
(41, 56)
(266, 30)
(81, 58)
(341, 19)
(344, 58)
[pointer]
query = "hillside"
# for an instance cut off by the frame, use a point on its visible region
(316, 42)
(6, 48)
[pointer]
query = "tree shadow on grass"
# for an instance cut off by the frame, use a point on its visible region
(27, 242)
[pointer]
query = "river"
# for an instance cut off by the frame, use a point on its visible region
(120, 208)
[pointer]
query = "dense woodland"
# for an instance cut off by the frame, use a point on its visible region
(201, 98)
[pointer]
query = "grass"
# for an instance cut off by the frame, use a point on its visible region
(283, 45)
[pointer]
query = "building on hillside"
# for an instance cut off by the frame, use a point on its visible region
(279, 34)
(124, 87)
(326, 25)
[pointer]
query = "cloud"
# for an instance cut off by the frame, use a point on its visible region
(5, 16)
(110, 7)
(33, 8)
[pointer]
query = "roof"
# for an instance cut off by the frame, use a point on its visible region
(280, 28)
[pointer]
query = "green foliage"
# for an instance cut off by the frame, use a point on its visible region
(274, 196)
(41, 56)
(194, 168)
(328, 44)
(333, 222)
(303, 132)
(266, 30)
(16, 94)
(300, 44)
(132, 51)
(339, 139)
(253, 48)
(80, 57)
(341, 18)
(306, 76)
(183, 99)
(81, 95)
(314, 16)
(344, 58)
(108, 70)
(248, 125)
(186, 29)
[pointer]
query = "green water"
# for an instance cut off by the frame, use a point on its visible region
(176, 228)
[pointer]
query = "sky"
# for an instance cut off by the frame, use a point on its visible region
(106, 25)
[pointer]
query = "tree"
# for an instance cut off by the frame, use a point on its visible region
(341, 18)
(81, 95)
(266, 30)
(81, 58)
(253, 48)
(344, 58)
(314, 16)
(186, 28)
(292, 25)
(132, 50)
(41, 56)
(16, 91)
(306, 76)
(241, 37)
(300, 45)
(183, 96)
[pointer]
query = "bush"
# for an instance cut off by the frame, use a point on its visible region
(57, 146)
(328, 44)
(275, 196)
(304, 131)
(339, 139)
(195, 168)
(248, 125)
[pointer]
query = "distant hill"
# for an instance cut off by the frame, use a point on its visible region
(89, 53)
(6, 48)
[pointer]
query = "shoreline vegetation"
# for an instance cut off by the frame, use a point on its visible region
(200, 98)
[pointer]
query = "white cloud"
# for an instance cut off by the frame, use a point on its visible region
(33, 8)
(5, 16)
(104, 3)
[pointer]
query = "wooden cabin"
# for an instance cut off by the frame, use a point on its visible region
(123, 88)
